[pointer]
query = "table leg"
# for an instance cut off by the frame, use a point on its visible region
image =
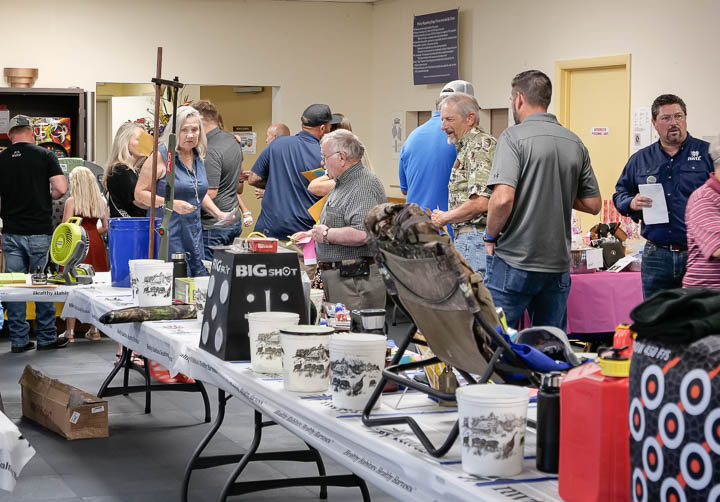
(126, 364)
(195, 460)
(232, 487)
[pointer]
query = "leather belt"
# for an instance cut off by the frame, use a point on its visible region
(332, 265)
(469, 228)
(671, 247)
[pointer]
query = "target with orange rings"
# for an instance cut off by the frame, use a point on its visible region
(653, 386)
(671, 425)
(695, 390)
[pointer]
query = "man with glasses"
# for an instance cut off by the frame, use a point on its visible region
(678, 162)
(278, 169)
(349, 273)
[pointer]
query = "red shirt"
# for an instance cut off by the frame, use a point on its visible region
(702, 218)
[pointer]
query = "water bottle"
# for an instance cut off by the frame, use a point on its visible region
(548, 424)
(179, 268)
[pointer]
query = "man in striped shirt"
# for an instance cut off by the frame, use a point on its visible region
(702, 219)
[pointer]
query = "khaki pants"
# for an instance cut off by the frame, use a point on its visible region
(366, 292)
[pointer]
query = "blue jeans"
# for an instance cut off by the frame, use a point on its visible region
(221, 236)
(543, 294)
(661, 269)
(27, 253)
(472, 246)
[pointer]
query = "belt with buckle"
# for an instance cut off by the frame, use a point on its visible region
(671, 247)
(469, 228)
(332, 265)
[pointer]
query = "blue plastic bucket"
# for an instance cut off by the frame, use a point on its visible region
(129, 240)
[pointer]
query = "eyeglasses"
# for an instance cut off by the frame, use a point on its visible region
(666, 119)
(323, 158)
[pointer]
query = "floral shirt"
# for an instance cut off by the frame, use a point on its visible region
(475, 151)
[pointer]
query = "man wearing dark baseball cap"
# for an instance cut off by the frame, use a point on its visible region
(26, 171)
(278, 169)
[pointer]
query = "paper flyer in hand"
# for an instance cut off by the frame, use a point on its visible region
(313, 173)
(658, 213)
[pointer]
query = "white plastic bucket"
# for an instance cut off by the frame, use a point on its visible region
(306, 357)
(316, 297)
(264, 332)
(200, 294)
(356, 364)
(154, 283)
(133, 275)
(492, 428)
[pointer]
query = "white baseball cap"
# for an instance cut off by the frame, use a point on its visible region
(458, 86)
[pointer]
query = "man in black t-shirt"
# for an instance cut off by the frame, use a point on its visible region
(30, 178)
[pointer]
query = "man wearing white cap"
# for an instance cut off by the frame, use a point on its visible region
(467, 189)
(426, 158)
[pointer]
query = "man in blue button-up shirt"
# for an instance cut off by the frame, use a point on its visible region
(680, 163)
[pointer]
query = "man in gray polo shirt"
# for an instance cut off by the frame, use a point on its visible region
(223, 163)
(541, 171)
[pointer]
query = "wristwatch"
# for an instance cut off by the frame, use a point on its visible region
(488, 238)
(325, 234)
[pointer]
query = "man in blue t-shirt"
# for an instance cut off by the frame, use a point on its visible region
(427, 158)
(278, 169)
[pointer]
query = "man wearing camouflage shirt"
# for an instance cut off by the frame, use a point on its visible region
(468, 195)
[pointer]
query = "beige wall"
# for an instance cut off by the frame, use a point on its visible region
(244, 110)
(672, 48)
(357, 57)
(251, 42)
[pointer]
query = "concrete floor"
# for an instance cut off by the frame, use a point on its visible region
(145, 456)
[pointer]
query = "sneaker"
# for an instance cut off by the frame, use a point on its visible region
(22, 348)
(59, 344)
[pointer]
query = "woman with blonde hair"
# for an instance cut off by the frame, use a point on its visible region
(87, 202)
(191, 188)
(121, 172)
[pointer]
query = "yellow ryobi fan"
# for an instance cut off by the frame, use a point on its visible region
(68, 248)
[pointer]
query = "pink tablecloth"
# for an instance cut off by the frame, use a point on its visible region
(599, 302)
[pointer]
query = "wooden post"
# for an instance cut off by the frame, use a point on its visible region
(156, 137)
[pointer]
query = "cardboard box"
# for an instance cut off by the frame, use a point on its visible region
(62, 408)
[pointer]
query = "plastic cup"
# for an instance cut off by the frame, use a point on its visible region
(493, 419)
(306, 357)
(264, 332)
(356, 364)
(316, 297)
(154, 283)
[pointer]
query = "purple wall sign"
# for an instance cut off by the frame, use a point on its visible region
(435, 47)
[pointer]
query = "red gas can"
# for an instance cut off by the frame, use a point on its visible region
(594, 437)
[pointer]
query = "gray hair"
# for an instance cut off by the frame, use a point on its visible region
(346, 142)
(184, 113)
(120, 153)
(714, 151)
(465, 104)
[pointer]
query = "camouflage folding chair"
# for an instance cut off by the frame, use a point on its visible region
(433, 285)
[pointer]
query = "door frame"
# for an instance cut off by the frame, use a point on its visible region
(564, 68)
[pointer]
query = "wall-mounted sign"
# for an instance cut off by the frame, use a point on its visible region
(599, 131)
(249, 142)
(435, 47)
(242, 128)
